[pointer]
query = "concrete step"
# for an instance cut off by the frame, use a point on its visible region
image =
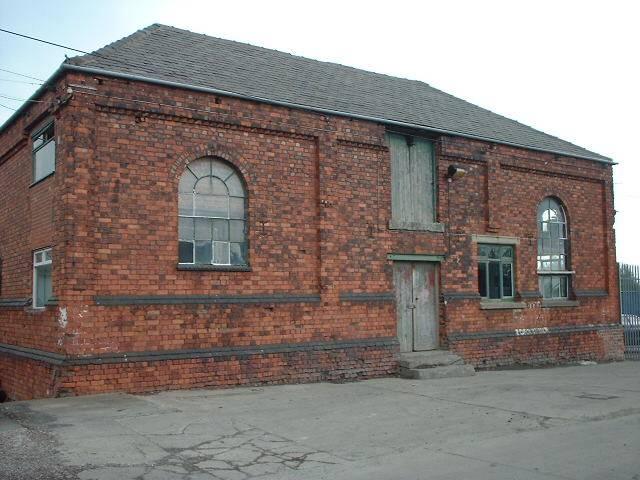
(429, 359)
(448, 371)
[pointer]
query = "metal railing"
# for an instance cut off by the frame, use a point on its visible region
(629, 276)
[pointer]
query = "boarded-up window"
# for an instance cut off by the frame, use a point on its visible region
(412, 190)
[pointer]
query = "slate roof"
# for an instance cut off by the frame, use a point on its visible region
(166, 53)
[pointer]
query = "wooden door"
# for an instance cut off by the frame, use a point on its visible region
(416, 288)
(412, 182)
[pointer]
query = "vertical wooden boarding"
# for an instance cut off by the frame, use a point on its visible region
(403, 282)
(422, 191)
(425, 315)
(400, 180)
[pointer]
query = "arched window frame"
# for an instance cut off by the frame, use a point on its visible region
(553, 259)
(212, 215)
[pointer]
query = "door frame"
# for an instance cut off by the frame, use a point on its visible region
(411, 259)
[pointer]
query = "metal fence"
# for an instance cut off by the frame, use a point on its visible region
(630, 307)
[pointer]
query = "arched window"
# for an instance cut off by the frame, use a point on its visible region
(553, 250)
(212, 214)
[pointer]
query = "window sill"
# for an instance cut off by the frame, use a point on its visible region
(501, 305)
(36, 310)
(214, 268)
(560, 303)
(415, 227)
(556, 272)
(33, 184)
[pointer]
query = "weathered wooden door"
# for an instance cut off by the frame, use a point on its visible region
(416, 285)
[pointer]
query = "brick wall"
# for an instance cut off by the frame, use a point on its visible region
(319, 192)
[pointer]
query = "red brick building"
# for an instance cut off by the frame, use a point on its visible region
(179, 211)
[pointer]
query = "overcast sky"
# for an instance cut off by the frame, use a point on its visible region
(568, 68)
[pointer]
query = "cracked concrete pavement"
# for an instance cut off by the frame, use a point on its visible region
(579, 422)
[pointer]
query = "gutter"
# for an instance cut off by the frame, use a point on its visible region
(128, 76)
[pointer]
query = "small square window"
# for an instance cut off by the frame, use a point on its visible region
(44, 153)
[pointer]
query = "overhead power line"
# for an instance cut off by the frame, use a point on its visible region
(8, 108)
(20, 74)
(19, 81)
(43, 41)
(20, 99)
(66, 47)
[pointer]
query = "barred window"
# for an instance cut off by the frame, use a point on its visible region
(553, 250)
(212, 214)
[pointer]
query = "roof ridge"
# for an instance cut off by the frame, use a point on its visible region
(110, 47)
(329, 62)
(172, 54)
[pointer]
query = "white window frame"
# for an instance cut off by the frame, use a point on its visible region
(547, 271)
(35, 149)
(192, 214)
(41, 258)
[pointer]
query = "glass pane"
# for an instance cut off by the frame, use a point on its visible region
(218, 187)
(211, 206)
(494, 279)
(482, 279)
(236, 208)
(39, 140)
(507, 280)
(220, 169)
(205, 186)
(545, 286)
(507, 252)
(221, 253)
(200, 168)
(494, 252)
(185, 252)
(221, 230)
(47, 255)
(203, 229)
(185, 203)
(555, 287)
(237, 231)
(45, 161)
(564, 286)
(237, 253)
(43, 285)
(38, 258)
(483, 251)
(235, 186)
(203, 252)
(554, 230)
(187, 182)
(185, 229)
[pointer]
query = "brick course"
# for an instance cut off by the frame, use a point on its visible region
(319, 196)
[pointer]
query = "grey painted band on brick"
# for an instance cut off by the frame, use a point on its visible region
(204, 299)
(457, 337)
(367, 297)
(186, 354)
(591, 293)
(461, 296)
(14, 302)
(33, 353)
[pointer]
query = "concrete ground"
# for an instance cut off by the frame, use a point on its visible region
(580, 422)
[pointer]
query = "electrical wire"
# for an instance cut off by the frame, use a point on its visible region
(15, 99)
(42, 41)
(20, 74)
(66, 47)
(9, 108)
(19, 81)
